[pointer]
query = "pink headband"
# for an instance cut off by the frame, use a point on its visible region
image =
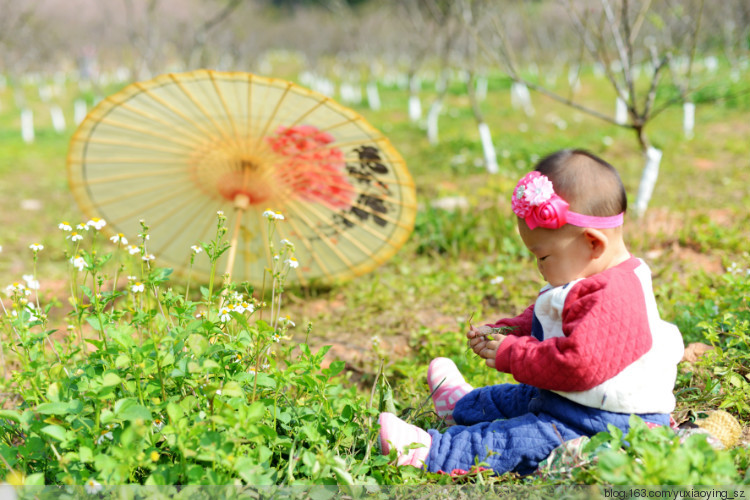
(535, 201)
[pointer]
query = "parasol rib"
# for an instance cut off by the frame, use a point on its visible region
(179, 113)
(363, 208)
(309, 248)
(351, 239)
(141, 130)
(133, 194)
(154, 203)
(172, 126)
(301, 214)
(197, 104)
(188, 221)
(166, 216)
(138, 160)
(125, 177)
(249, 107)
(129, 144)
(274, 113)
(317, 105)
(226, 109)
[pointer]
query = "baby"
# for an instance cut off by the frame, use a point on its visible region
(590, 351)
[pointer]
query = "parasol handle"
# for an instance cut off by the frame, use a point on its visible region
(241, 202)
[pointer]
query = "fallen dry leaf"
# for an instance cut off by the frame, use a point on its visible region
(694, 351)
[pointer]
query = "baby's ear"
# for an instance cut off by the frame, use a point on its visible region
(597, 241)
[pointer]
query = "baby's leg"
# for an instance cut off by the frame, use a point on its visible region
(494, 402)
(517, 444)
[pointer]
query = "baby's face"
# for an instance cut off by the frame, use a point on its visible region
(562, 255)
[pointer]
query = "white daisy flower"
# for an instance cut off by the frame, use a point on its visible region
(148, 257)
(14, 288)
(96, 223)
(31, 282)
(74, 236)
(497, 280)
(78, 262)
(158, 424)
(276, 337)
(285, 242)
(137, 287)
(196, 249)
(224, 315)
(92, 487)
(82, 227)
(119, 238)
(287, 321)
(292, 262)
(65, 226)
(106, 435)
(272, 215)
(200, 315)
(35, 247)
(265, 366)
(134, 249)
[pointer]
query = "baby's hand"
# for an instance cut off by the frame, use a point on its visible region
(484, 343)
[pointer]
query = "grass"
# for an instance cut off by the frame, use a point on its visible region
(417, 305)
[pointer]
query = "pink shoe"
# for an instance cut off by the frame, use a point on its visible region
(447, 386)
(394, 432)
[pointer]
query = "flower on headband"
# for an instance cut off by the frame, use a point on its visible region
(535, 201)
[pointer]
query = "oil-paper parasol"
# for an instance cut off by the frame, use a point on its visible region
(174, 150)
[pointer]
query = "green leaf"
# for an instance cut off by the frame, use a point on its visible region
(129, 409)
(175, 412)
(34, 479)
(334, 369)
(122, 361)
(160, 275)
(110, 379)
(85, 454)
(255, 412)
(210, 364)
(94, 323)
(11, 415)
(197, 344)
(53, 408)
(54, 431)
(232, 389)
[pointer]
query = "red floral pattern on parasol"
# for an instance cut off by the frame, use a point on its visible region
(314, 171)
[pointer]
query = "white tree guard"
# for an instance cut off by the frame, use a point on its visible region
(79, 111)
(27, 126)
(415, 108)
(520, 98)
(490, 158)
(621, 111)
(432, 121)
(58, 119)
(688, 119)
(373, 96)
(648, 180)
(481, 88)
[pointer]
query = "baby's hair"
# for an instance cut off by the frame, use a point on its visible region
(590, 185)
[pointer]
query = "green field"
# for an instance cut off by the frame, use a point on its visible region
(417, 306)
